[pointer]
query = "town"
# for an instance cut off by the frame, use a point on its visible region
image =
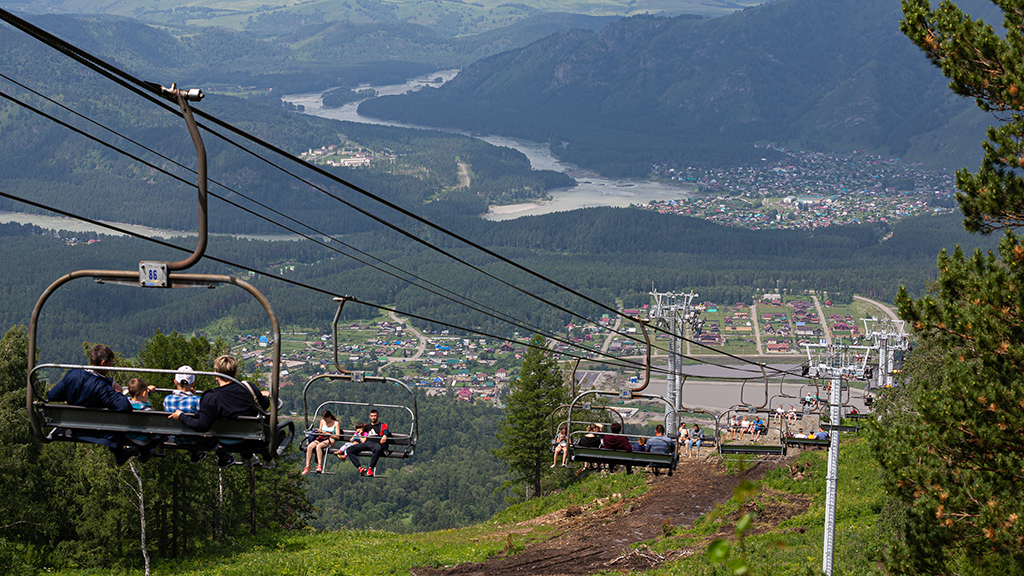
(480, 369)
(809, 190)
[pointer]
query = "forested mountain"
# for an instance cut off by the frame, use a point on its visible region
(811, 74)
(293, 56)
(459, 18)
(52, 165)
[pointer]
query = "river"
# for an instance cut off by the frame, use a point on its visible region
(591, 190)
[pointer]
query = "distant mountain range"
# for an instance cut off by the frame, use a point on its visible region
(304, 58)
(811, 74)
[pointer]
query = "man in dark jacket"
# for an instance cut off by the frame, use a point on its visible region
(225, 402)
(91, 388)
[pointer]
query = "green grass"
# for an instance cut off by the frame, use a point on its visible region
(792, 547)
(365, 552)
(795, 546)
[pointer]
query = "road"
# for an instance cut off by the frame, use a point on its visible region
(757, 328)
(611, 334)
(879, 305)
(824, 319)
(420, 348)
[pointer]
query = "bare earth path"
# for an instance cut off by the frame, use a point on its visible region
(600, 539)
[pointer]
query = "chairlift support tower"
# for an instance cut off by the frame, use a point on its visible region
(675, 311)
(836, 363)
(889, 335)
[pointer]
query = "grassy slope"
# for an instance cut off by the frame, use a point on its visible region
(373, 552)
(793, 547)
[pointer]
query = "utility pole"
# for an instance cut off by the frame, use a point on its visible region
(836, 363)
(675, 311)
(889, 336)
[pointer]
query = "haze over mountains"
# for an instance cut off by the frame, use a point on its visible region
(811, 74)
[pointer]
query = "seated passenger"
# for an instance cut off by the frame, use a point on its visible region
(780, 413)
(225, 402)
(821, 434)
(185, 399)
(322, 441)
(561, 445)
(590, 440)
(759, 428)
(659, 444)
(640, 445)
(91, 388)
(745, 427)
(619, 443)
(375, 442)
(791, 415)
(138, 391)
(362, 431)
(694, 440)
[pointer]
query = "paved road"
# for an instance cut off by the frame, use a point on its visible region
(823, 318)
(419, 347)
(611, 334)
(757, 328)
(880, 306)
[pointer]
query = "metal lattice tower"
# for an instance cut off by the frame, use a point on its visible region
(837, 363)
(675, 311)
(889, 336)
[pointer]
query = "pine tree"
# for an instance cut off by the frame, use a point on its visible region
(524, 434)
(952, 441)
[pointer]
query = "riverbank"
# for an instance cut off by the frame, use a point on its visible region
(591, 190)
(508, 209)
(58, 223)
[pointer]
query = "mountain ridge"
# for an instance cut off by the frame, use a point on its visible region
(802, 73)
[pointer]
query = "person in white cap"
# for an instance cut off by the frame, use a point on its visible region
(184, 399)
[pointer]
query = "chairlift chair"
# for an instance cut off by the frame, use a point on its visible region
(399, 445)
(613, 457)
(731, 450)
(262, 432)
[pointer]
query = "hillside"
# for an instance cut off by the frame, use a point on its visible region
(808, 74)
(296, 56)
(457, 18)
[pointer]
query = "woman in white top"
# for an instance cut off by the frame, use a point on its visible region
(329, 431)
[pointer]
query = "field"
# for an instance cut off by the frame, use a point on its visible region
(782, 325)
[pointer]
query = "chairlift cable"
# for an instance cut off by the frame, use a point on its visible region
(126, 80)
(503, 316)
(612, 360)
(148, 90)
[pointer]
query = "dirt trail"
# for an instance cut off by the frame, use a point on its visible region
(588, 541)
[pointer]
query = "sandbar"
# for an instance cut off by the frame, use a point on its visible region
(513, 208)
